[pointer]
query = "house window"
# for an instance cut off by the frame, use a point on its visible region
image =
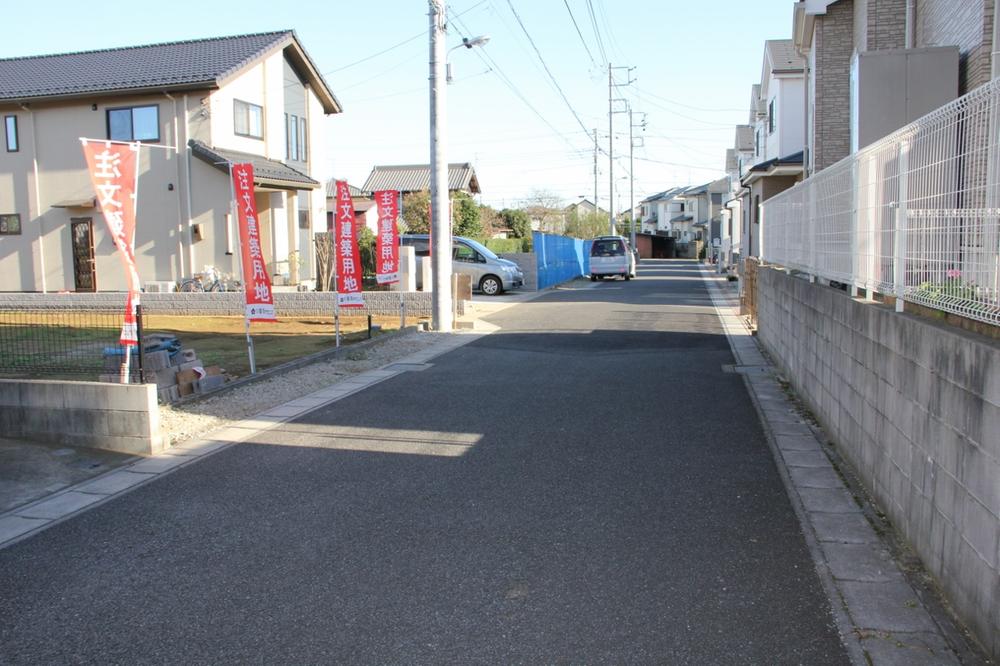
(10, 125)
(302, 140)
(295, 138)
(248, 119)
(134, 123)
(10, 225)
(756, 143)
(770, 117)
(291, 137)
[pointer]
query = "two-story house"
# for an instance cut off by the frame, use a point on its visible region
(777, 112)
(195, 106)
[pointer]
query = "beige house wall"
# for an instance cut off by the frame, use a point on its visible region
(165, 247)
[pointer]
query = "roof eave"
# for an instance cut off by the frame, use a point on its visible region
(209, 84)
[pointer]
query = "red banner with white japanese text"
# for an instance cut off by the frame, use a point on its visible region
(256, 281)
(348, 257)
(114, 174)
(387, 245)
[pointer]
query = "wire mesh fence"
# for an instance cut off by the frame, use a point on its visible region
(915, 215)
(65, 344)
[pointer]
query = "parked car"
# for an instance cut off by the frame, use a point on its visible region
(490, 274)
(611, 256)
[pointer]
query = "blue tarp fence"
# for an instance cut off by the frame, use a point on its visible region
(560, 258)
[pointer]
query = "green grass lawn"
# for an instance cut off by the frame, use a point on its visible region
(63, 346)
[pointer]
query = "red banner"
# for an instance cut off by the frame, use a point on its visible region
(114, 173)
(346, 243)
(387, 247)
(256, 281)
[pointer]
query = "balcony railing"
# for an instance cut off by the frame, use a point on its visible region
(915, 215)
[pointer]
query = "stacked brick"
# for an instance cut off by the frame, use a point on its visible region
(176, 372)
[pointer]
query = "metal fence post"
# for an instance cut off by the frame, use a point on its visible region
(855, 228)
(141, 347)
(899, 228)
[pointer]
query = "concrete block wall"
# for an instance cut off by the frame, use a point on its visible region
(914, 406)
(117, 417)
(228, 303)
(528, 263)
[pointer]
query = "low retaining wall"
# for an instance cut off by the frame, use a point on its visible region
(915, 407)
(418, 303)
(117, 417)
(528, 263)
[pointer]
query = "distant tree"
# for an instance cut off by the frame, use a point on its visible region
(586, 225)
(542, 198)
(416, 207)
(517, 221)
(490, 221)
(466, 215)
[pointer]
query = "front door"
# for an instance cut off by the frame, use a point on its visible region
(84, 272)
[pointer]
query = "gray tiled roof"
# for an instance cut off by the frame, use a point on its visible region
(784, 57)
(156, 67)
(356, 192)
(265, 171)
(417, 177)
(666, 194)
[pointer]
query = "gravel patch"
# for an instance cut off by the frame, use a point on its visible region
(179, 423)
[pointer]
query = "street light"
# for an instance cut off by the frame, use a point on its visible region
(441, 300)
(467, 43)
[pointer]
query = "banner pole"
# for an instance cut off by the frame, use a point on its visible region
(126, 366)
(246, 319)
(336, 317)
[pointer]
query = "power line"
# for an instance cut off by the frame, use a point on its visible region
(396, 46)
(597, 32)
(545, 65)
(612, 42)
(490, 62)
(582, 40)
(688, 106)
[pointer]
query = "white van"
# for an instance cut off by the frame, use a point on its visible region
(611, 256)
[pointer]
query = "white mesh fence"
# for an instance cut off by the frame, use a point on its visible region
(915, 215)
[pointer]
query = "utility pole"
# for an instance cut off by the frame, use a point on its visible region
(595, 169)
(631, 168)
(631, 179)
(611, 138)
(441, 314)
(611, 159)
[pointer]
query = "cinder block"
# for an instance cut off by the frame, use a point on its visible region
(166, 377)
(168, 394)
(188, 365)
(187, 355)
(209, 383)
(157, 360)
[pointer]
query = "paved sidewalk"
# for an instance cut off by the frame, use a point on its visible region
(883, 619)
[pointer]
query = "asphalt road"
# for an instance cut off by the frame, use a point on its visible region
(585, 486)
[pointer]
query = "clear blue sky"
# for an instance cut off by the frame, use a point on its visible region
(694, 65)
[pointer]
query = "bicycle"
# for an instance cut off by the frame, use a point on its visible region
(208, 281)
